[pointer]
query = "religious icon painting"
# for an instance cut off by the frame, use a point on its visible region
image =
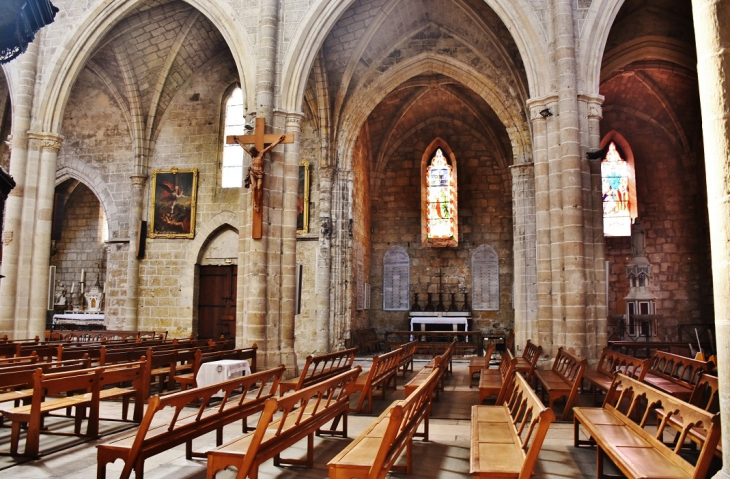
(303, 199)
(173, 203)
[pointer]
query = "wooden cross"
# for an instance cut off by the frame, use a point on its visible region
(263, 143)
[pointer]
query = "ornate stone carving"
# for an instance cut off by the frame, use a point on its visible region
(326, 226)
(7, 237)
(138, 181)
(51, 144)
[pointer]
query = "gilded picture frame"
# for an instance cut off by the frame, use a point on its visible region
(173, 201)
(303, 199)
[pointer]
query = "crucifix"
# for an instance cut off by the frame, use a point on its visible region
(263, 143)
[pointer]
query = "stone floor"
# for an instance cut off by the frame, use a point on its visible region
(446, 455)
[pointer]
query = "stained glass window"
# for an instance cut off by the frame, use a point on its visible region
(232, 167)
(441, 211)
(615, 188)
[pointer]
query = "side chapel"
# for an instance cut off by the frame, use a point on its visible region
(488, 157)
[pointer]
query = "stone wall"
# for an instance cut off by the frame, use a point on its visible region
(81, 245)
(485, 217)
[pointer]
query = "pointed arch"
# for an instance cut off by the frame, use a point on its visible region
(80, 172)
(84, 37)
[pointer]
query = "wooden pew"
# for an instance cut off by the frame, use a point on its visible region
(506, 439)
(184, 426)
(446, 360)
(563, 379)
(496, 382)
(318, 368)
(373, 453)
(439, 363)
(637, 452)
(367, 340)
(285, 421)
(674, 374)
(189, 379)
(705, 396)
(406, 357)
(528, 361)
(25, 360)
(16, 381)
(477, 363)
(380, 375)
(80, 389)
(610, 362)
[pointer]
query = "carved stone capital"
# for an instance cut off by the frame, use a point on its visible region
(138, 181)
(48, 141)
(49, 144)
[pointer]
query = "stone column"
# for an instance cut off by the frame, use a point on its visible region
(22, 105)
(136, 203)
(255, 254)
(573, 255)
(289, 242)
(525, 247)
(324, 261)
(598, 301)
(40, 259)
(711, 18)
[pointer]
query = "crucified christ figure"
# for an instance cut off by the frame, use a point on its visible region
(255, 176)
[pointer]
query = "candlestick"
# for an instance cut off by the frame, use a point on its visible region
(83, 276)
(73, 287)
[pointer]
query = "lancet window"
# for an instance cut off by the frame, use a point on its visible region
(440, 198)
(234, 122)
(616, 184)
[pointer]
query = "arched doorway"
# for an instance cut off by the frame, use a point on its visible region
(217, 276)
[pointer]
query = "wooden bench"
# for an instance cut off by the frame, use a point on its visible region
(496, 382)
(433, 343)
(406, 357)
(610, 362)
(189, 379)
(373, 453)
(16, 381)
(380, 375)
(564, 379)
(674, 374)
(527, 362)
(367, 340)
(478, 363)
(80, 389)
(318, 368)
(506, 439)
(439, 363)
(705, 396)
(183, 426)
(637, 452)
(445, 360)
(285, 421)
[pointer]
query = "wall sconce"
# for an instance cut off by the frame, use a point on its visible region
(228, 260)
(546, 113)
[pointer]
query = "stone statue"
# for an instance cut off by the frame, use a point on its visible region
(638, 240)
(255, 176)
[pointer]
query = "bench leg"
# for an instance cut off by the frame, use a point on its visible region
(189, 449)
(15, 438)
(599, 463)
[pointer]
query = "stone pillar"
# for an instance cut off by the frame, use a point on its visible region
(40, 259)
(573, 255)
(22, 104)
(711, 18)
(322, 285)
(289, 243)
(598, 297)
(525, 247)
(131, 302)
(254, 254)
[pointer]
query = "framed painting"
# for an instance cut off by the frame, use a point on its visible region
(173, 203)
(303, 199)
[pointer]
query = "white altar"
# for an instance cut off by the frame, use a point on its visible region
(79, 319)
(454, 318)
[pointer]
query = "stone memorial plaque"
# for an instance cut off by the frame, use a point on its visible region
(485, 279)
(396, 279)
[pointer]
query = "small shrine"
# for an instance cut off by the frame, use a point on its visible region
(641, 317)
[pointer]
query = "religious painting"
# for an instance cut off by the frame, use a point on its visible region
(173, 203)
(303, 199)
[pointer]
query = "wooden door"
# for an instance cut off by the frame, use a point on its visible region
(217, 301)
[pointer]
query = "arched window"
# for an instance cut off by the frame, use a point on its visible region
(234, 122)
(440, 206)
(618, 190)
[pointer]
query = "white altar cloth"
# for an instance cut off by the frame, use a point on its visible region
(78, 319)
(219, 371)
